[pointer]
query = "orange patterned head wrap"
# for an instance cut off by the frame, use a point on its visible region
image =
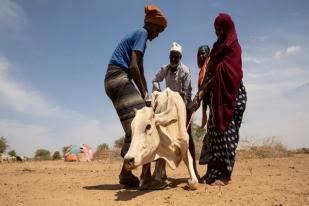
(154, 15)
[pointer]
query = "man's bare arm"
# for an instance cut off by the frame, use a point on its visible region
(137, 72)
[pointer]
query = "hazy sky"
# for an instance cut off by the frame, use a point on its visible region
(54, 54)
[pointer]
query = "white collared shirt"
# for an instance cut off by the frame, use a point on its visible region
(179, 81)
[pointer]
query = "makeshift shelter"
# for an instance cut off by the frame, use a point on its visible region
(78, 153)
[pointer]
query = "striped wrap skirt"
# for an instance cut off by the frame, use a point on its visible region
(125, 97)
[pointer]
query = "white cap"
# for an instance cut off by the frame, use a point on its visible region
(176, 47)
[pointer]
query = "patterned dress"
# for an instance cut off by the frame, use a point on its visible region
(219, 148)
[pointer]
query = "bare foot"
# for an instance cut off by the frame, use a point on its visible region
(220, 183)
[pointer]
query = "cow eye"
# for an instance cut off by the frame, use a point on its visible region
(148, 126)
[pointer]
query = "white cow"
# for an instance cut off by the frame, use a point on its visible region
(7, 158)
(3, 158)
(160, 132)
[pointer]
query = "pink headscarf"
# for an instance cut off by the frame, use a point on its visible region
(225, 60)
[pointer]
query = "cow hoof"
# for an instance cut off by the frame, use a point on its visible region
(192, 184)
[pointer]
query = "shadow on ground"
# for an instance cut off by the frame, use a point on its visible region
(125, 193)
(104, 187)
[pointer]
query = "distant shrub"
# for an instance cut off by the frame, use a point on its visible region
(12, 153)
(42, 154)
(119, 142)
(56, 155)
(102, 152)
(304, 150)
(102, 147)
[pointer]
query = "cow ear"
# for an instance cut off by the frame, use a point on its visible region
(164, 119)
(166, 112)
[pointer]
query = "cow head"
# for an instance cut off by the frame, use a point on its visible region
(145, 139)
(146, 130)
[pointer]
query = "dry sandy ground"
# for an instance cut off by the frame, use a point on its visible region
(274, 181)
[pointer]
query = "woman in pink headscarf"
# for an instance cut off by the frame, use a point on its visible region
(222, 86)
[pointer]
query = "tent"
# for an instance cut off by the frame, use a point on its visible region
(78, 153)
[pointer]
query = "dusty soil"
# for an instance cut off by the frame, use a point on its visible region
(272, 181)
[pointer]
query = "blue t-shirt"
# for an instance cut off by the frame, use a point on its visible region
(134, 41)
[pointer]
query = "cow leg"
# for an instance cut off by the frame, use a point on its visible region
(160, 170)
(193, 181)
(164, 175)
(191, 141)
(146, 175)
(192, 152)
(155, 182)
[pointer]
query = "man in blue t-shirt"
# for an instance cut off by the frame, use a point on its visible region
(125, 65)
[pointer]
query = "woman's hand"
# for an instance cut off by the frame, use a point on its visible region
(196, 101)
(204, 116)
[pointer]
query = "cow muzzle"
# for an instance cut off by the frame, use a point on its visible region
(129, 163)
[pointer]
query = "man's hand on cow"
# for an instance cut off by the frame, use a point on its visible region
(147, 100)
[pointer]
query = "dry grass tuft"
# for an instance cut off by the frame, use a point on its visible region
(304, 150)
(107, 156)
(269, 147)
(249, 148)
